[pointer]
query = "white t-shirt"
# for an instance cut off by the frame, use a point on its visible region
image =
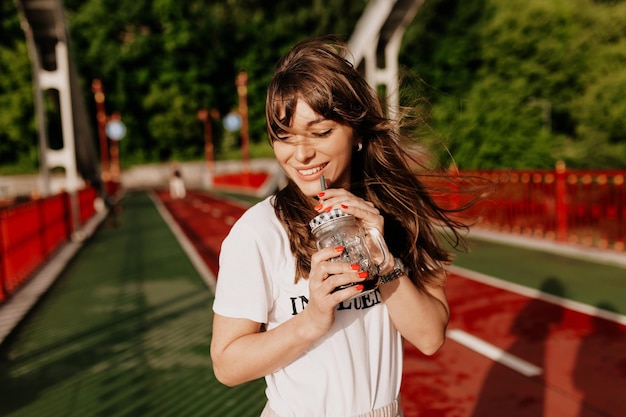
(355, 368)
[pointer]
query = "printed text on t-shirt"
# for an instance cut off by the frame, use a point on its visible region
(358, 303)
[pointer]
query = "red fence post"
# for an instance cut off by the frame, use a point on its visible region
(455, 202)
(32, 231)
(620, 202)
(560, 208)
(3, 260)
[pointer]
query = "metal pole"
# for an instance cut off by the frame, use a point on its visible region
(206, 118)
(101, 117)
(115, 154)
(561, 205)
(242, 91)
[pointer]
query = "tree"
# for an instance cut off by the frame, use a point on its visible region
(519, 59)
(162, 61)
(511, 83)
(18, 138)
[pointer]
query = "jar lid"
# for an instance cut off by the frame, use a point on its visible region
(320, 219)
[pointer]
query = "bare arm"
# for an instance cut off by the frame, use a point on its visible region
(421, 316)
(241, 352)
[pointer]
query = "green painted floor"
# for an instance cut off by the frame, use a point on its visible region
(595, 283)
(124, 331)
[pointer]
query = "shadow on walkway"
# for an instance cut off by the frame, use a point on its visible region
(504, 391)
(124, 331)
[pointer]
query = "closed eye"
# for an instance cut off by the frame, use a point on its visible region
(282, 135)
(323, 134)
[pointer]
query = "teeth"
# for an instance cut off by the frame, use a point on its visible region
(310, 171)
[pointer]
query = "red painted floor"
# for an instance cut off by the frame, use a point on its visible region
(250, 180)
(583, 359)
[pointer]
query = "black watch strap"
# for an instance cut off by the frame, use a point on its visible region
(398, 270)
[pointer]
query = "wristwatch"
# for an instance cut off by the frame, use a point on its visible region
(398, 270)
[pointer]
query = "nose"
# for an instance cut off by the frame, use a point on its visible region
(304, 151)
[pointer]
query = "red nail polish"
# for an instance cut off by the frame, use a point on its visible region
(321, 194)
(363, 274)
(329, 208)
(319, 207)
(355, 267)
(339, 249)
(343, 206)
(360, 287)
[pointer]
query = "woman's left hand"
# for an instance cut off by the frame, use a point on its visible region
(403, 299)
(367, 215)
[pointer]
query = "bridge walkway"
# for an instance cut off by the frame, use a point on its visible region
(126, 327)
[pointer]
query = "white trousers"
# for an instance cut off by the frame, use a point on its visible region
(390, 410)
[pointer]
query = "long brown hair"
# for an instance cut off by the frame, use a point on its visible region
(316, 71)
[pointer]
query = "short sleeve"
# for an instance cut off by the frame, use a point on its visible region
(243, 288)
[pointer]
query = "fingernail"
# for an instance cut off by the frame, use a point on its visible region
(319, 207)
(343, 206)
(339, 249)
(355, 267)
(329, 208)
(360, 287)
(363, 274)
(321, 194)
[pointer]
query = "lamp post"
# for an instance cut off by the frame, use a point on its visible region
(115, 130)
(101, 118)
(242, 91)
(206, 117)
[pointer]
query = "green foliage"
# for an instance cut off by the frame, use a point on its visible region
(523, 83)
(161, 61)
(18, 138)
(511, 83)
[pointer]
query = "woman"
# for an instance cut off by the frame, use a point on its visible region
(277, 314)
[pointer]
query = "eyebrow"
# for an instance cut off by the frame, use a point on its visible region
(316, 121)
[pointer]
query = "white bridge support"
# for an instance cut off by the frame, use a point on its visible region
(59, 80)
(46, 34)
(375, 44)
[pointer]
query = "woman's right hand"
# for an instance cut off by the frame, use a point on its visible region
(324, 278)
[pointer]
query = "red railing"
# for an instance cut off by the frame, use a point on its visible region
(577, 206)
(30, 232)
(584, 207)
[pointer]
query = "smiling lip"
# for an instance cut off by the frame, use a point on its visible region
(311, 172)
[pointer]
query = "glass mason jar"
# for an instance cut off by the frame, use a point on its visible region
(365, 247)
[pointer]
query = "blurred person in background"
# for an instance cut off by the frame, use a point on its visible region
(177, 184)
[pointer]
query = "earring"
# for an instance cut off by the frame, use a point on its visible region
(359, 147)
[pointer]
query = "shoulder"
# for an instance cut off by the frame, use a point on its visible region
(263, 211)
(262, 208)
(260, 219)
